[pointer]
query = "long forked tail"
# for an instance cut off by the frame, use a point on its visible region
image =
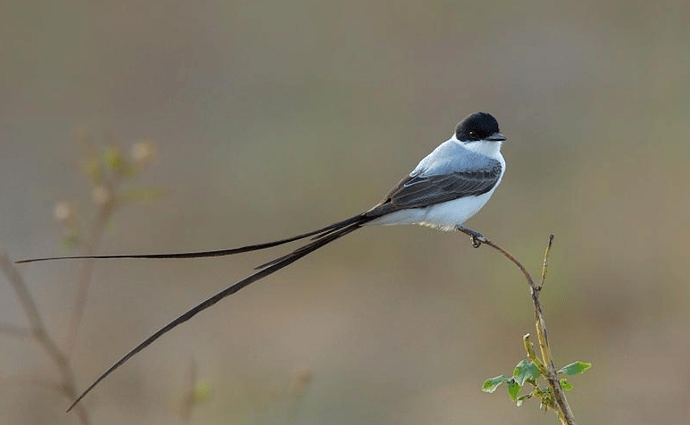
(329, 235)
(214, 253)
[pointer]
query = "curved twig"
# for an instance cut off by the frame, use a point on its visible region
(563, 409)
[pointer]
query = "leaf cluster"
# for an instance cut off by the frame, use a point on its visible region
(530, 374)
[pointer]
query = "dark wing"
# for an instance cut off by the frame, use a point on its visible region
(420, 191)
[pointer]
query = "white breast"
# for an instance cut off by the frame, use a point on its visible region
(448, 215)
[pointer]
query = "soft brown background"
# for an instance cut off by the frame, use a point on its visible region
(272, 118)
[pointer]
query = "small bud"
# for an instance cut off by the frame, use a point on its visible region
(64, 212)
(101, 195)
(201, 392)
(142, 153)
(112, 157)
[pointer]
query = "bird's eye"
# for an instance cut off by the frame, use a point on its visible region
(473, 134)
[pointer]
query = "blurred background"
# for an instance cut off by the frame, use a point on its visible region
(271, 118)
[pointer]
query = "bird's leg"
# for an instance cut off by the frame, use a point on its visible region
(477, 238)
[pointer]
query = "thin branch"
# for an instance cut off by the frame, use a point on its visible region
(86, 271)
(563, 409)
(39, 332)
(529, 349)
(545, 263)
(105, 181)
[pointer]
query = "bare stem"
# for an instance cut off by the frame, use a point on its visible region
(562, 408)
(529, 348)
(86, 271)
(40, 334)
(545, 263)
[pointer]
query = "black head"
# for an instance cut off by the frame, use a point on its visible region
(479, 126)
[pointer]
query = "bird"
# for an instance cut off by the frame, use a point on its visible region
(445, 189)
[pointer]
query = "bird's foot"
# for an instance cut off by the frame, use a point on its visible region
(477, 238)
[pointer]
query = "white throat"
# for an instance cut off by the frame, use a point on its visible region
(490, 149)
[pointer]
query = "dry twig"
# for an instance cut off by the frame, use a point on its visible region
(40, 334)
(98, 226)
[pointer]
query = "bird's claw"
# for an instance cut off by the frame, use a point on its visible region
(477, 238)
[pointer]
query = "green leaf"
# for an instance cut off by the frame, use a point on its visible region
(525, 370)
(491, 384)
(575, 368)
(513, 389)
(567, 386)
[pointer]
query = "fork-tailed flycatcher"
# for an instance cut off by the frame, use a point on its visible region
(446, 188)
